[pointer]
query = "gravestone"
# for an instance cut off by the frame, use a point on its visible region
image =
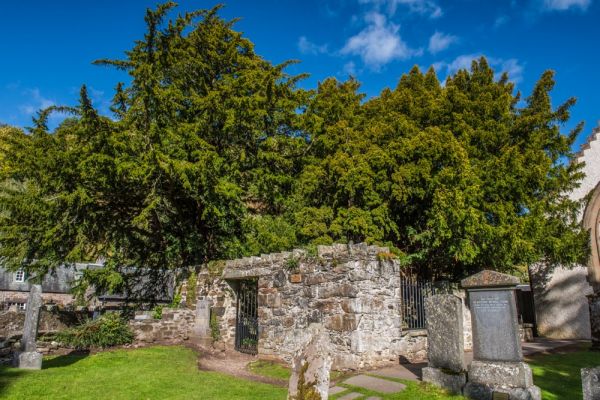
(497, 370)
(201, 329)
(445, 343)
(310, 367)
(28, 357)
(590, 380)
(594, 302)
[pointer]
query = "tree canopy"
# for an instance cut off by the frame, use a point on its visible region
(213, 152)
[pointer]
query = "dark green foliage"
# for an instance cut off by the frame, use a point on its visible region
(108, 330)
(214, 153)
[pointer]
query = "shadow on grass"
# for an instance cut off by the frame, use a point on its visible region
(65, 360)
(8, 376)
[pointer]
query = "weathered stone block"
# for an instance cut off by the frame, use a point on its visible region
(312, 362)
(445, 332)
(508, 374)
(482, 392)
(296, 278)
(590, 379)
(451, 381)
(28, 360)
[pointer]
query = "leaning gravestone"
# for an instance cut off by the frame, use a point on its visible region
(310, 367)
(590, 380)
(445, 343)
(497, 370)
(28, 357)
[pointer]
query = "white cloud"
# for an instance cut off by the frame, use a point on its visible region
(307, 47)
(562, 5)
(511, 66)
(422, 7)
(350, 68)
(378, 43)
(440, 41)
(36, 102)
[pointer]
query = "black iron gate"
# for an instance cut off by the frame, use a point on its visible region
(246, 333)
(413, 292)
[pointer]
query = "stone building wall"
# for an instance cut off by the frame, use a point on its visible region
(354, 290)
(174, 326)
(561, 306)
(562, 310)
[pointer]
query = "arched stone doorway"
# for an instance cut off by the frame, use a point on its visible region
(591, 221)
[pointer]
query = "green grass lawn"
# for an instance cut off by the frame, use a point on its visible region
(559, 374)
(172, 373)
(149, 373)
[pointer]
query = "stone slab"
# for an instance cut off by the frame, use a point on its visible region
(373, 398)
(506, 374)
(375, 384)
(445, 338)
(590, 380)
(495, 325)
(476, 391)
(313, 359)
(350, 396)
(452, 382)
(398, 371)
(28, 360)
(336, 390)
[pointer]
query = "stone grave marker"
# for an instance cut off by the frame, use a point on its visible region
(445, 343)
(590, 380)
(28, 357)
(497, 370)
(310, 367)
(201, 329)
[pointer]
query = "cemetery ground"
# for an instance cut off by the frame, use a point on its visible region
(172, 372)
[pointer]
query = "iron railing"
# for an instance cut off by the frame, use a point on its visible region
(246, 333)
(414, 292)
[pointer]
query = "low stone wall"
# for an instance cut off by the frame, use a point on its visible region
(60, 299)
(11, 322)
(174, 327)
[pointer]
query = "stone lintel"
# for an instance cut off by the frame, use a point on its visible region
(491, 279)
(233, 274)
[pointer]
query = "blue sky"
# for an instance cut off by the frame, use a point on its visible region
(47, 46)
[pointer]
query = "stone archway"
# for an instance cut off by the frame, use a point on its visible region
(591, 221)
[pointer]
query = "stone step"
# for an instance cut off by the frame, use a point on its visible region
(373, 398)
(336, 390)
(375, 384)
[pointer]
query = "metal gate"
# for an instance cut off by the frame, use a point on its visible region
(246, 333)
(413, 293)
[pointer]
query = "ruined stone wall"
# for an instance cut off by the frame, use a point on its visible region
(174, 326)
(352, 289)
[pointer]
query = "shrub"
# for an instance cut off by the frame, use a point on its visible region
(191, 289)
(108, 330)
(157, 312)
